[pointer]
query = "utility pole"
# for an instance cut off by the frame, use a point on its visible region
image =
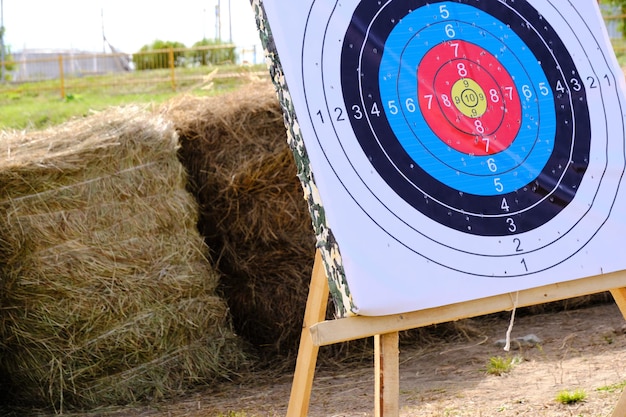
(230, 24)
(218, 22)
(2, 57)
(204, 24)
(104, 39)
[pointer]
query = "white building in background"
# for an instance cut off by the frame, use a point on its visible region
(45, 64)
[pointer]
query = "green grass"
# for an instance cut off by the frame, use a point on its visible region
(612, 388)
(497, 365)
(38, 105)
(571, 397)
(40, 111)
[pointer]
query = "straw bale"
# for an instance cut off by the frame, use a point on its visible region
(254, 218)
(253, 213)
(107, 296)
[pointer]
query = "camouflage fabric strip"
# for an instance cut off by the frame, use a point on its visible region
(339, 289)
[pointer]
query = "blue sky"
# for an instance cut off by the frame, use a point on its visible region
(128, 24)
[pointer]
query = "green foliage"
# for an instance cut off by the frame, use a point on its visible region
(212, 52)
(622, 5)
(498, 365)
(207, 52)
(9, 64)
(146, 59)
(571, 397)
(614, 387)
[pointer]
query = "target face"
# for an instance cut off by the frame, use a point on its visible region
(467, 126)
(474, 119)
(467, 139)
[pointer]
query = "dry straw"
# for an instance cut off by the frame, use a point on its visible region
(253, 213)
(106, 294)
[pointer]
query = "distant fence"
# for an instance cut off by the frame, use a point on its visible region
(165, 69)
(613, 19)
(149, 71)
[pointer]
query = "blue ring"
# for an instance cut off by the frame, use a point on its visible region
(518, 165)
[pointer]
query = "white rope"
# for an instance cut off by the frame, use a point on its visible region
(507, 345)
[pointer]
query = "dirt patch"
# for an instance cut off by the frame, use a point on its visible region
(580, 349)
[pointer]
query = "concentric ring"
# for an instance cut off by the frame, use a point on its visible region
(521, 207)
(468, 114)
(472, 193)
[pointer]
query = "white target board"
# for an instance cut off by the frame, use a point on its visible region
(462, 148)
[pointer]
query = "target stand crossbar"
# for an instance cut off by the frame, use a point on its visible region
(317, 332)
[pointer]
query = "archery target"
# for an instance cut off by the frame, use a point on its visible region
(473, 133)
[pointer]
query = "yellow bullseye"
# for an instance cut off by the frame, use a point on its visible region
(469, 98)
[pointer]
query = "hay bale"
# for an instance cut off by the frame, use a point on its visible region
(253, 213)
(107, 295)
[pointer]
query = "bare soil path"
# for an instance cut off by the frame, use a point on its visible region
(580, 349)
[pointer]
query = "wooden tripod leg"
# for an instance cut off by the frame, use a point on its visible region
(619, 294)
(387, 375)
(307, 353)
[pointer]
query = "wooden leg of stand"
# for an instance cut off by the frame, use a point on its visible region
(620, 408)
(307, 353)
(619, 294)
(387, 378)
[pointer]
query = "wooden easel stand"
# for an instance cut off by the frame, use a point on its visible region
(316, 332)
(315, 312)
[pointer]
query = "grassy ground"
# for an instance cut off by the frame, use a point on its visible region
(41, 104)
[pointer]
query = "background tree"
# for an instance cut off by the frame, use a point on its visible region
(212, 52)
(8, 63)
(621, 5)
(156, 55)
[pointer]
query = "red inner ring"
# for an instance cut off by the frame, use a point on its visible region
(439, 71)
